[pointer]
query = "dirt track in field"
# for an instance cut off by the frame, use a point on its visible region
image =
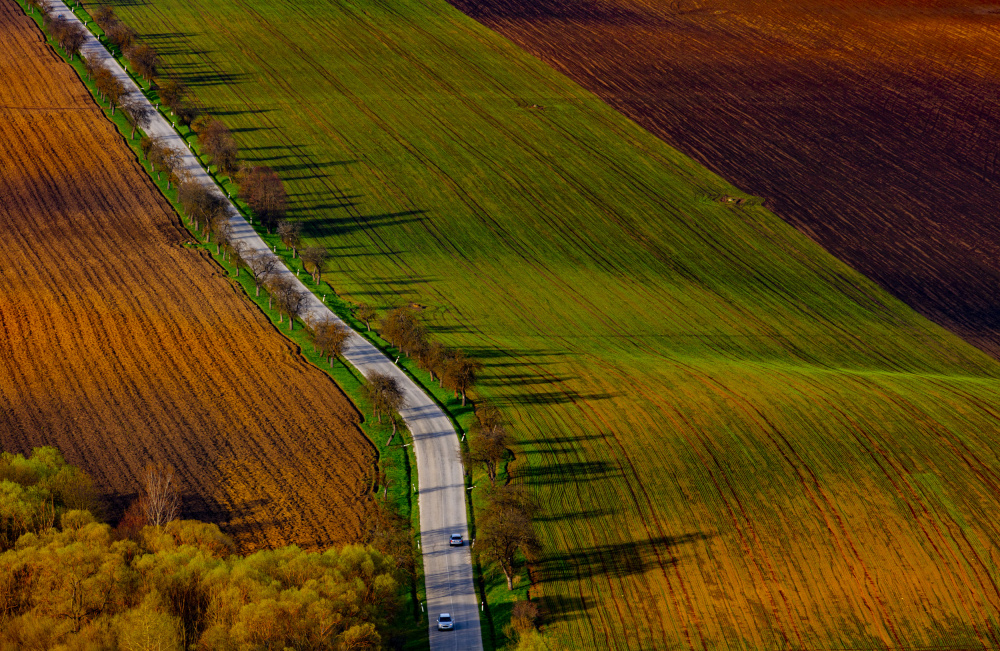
(873, 127)
(121, 346)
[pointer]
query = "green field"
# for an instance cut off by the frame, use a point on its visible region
(738, 441)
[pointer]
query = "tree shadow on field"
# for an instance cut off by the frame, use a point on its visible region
(228, 112)
(213, 78)
(551, 398)
(172, 43)
(126, 3)
(449, 329)
(618, 560)
(521, 379)
(310, 165)
(500, 357)
(587, 514)
(567, 472)
(193, 506)
(562, 608)
(397, 292)
(337, 226)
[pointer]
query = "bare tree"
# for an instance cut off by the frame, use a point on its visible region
(216, 217)
(163, 158)
(121, 35)
(385, 395)
(290, 234)
(110, 87)
(71, 37)
(261, 265)
(161, 498)
(315, 257)
(366, 313)
(460, 373)
(91, 63)
(145, 144)
(53, 24)
(187, 113)
(487, 440)
(330, 336)
(403, 329)
(223, 230)
(240, 252)
(288, 298)
(218, 143)
(171, 93)
(137, 111)
(196, 199)
(506, 531)
(264, 192)
(431, 358)
(115, 91)
(105, 16)
(101, 75)
(143, 60)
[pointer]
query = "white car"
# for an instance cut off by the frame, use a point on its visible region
(456, 540)
(445, 622)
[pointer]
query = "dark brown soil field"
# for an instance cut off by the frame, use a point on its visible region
(874, 127)
(121, 346)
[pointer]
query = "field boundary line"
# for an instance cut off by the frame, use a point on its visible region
(441, 498)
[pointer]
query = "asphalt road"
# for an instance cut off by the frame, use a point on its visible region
(441, 491)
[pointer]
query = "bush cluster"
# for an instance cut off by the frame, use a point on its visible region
(69, 581)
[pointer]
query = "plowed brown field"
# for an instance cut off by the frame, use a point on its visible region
(121, 346)
(871, 126)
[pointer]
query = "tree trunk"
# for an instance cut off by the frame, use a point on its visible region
(291, 323)
(463, 398)
(510, 580)
(258, 290)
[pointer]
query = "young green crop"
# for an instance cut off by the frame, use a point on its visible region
(719, 418)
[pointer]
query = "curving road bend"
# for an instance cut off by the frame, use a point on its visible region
(441, 492)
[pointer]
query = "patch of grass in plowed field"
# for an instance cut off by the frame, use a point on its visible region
(738, 441)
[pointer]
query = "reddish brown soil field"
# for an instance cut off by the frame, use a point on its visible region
(121, 346)
(871, 126)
